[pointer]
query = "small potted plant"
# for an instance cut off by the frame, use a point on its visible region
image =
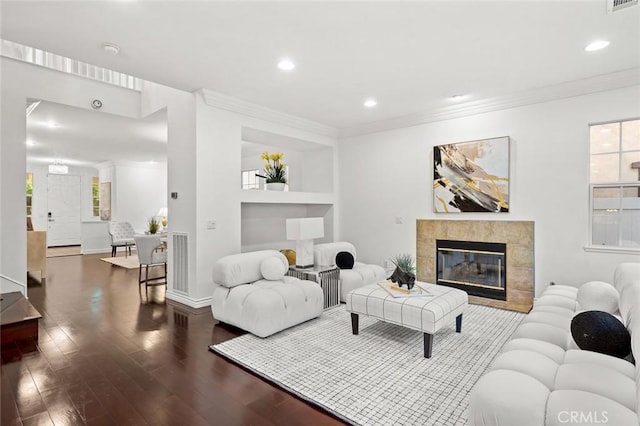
(274, 171)
(154, 225)
(404, 274)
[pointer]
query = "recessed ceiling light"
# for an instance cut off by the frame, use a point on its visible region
(370, 103)
(286, 65)
(111, 48)
(596, 45)
(458, 97)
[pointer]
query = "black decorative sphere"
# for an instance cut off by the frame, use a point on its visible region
(599, 331)
(344, 260)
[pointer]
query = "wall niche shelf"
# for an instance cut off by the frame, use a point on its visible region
(285, 197)
(309, 164)
(310, 176)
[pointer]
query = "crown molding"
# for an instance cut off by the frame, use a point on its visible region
(218, 100)
(600, 83)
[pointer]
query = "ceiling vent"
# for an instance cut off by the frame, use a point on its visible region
(616, 5)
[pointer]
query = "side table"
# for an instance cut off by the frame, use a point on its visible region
(327, 276)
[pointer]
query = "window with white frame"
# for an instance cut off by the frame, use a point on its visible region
(95, 195)
(29, 194)
(615, 184)
(250, 180)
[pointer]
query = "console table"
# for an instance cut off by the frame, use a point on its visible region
(327, 276)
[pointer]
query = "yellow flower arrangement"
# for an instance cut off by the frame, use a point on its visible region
(274, 167)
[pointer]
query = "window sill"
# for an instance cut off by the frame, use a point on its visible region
(612, 249)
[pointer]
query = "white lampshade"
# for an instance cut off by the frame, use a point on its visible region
(305, 228)
(162, 213)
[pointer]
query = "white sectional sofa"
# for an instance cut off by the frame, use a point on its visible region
(360, 275)
(251, 291)
(542, 378)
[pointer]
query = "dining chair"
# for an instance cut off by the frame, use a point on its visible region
(148, 256)
(121, 236)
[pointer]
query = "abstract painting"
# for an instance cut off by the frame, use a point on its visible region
(471, 176)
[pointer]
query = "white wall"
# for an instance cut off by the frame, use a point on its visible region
(389, 175)
(95, 237)
(219, 193)
(138, 192)
(309, 171)
(181, 176)
(20, 81)
(263, 226)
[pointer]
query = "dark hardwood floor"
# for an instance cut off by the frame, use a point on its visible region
(108, 355)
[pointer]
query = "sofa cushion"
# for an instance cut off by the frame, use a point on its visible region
(597, 379)
(551, 351)
(362, 274)
(577, 356)
(626, 274)
(601, 332)
(598, 296)
(508, 398)
(267, 307)
(557, 300)
(244, 268)
(344, 260)
(544, 332)
(325, 254)
(531, 363)
(272, 268)
(575, 407)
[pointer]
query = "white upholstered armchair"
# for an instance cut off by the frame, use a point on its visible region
(357, 276)
(148, 256)
(121, 236)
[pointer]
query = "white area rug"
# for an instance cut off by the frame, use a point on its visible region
(129, 262)
(380, 376)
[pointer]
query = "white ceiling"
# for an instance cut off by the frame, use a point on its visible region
(82, 137)
(410, 56)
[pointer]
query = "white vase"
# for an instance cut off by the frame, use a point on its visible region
(275, 186)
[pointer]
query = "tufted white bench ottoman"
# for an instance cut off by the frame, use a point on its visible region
(426, 314)
(250, 291)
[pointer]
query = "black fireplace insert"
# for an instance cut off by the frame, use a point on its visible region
(478, 268)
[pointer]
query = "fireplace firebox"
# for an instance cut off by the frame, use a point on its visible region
(476, 267)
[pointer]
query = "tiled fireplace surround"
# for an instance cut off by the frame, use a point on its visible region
(517, 235)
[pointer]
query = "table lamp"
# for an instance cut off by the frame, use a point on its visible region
(163, 214)
(303, 230)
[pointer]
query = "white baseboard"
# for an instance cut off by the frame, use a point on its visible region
(102, 251)
(186, 300)
(106, 250)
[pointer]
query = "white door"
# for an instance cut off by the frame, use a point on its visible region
(64, 217)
